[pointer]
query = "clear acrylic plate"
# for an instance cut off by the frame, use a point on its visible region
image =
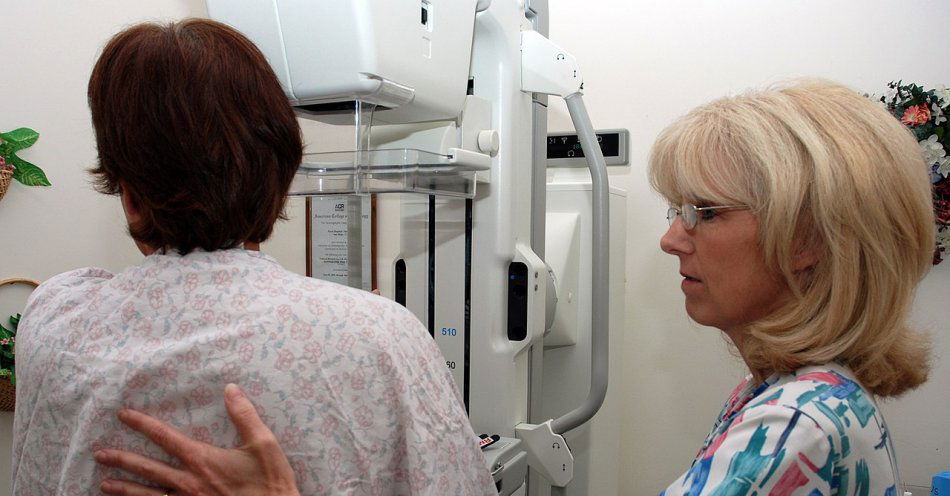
(399, 170)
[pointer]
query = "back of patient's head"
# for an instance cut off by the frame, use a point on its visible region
(833, 178)
(193, 125)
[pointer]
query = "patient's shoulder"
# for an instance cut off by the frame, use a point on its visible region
(77, 277)
(67, 283)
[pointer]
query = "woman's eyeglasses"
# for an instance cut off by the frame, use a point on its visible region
(692, 214)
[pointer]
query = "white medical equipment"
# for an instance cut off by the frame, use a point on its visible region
(448, 99)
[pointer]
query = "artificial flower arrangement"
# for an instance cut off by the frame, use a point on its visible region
(14, 167)
(7, 353)
(924, 112)
(8, 377)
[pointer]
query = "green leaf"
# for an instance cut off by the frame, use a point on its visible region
(9, 372)
(27, 173)
(19, 139)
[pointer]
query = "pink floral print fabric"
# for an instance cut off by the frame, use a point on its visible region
(351, 383)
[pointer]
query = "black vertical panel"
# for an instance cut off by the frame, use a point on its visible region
(468, 302)
(517, 301)
(400, 278)
(431, 309)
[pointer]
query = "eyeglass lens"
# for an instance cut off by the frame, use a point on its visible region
(689, 213)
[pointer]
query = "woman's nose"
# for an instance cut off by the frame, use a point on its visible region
(676, 240)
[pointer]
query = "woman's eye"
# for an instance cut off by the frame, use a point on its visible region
(707, 214)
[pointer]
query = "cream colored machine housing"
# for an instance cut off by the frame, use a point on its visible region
(449, 102)
(377, 52)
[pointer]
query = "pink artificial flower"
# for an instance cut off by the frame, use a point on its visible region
(916, 115)
(4, 341)
(4, 165)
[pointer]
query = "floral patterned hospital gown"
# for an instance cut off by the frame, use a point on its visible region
(351, 383)
(814, 432)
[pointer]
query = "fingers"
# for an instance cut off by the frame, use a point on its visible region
(126, 488)
(162, 434)
(273, 469)
(144, 467)
(244, 415)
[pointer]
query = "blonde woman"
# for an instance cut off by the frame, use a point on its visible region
(802, 221)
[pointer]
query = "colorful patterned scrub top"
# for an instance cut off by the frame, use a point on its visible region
(351, 383)
(814, 432)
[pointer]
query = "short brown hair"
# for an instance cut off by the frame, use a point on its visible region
(192, 122)
(825, 168)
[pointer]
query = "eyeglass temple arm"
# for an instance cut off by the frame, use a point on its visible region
(716, 207)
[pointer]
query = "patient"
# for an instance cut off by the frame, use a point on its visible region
(196, 136)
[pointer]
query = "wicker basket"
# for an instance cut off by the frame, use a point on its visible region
(8, 390)
(7, 395)
(6, 177)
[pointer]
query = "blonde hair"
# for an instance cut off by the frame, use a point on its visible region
(827, 171)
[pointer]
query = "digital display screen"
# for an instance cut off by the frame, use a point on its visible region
(569, 146)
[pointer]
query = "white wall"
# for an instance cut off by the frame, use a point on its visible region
(644, 64)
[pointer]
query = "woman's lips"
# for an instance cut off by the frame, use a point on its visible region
(690, 283)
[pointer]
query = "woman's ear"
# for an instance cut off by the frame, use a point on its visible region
(129, 205)
(806, 256)
(808, 244)
(132, 216)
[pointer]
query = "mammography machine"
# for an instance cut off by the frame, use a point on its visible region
(514, 275)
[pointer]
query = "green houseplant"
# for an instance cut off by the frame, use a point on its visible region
(8, 334)
(7, 352)
(7, 362)
(14, 167)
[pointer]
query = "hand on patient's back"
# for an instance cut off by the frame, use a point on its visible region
(257, 468)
